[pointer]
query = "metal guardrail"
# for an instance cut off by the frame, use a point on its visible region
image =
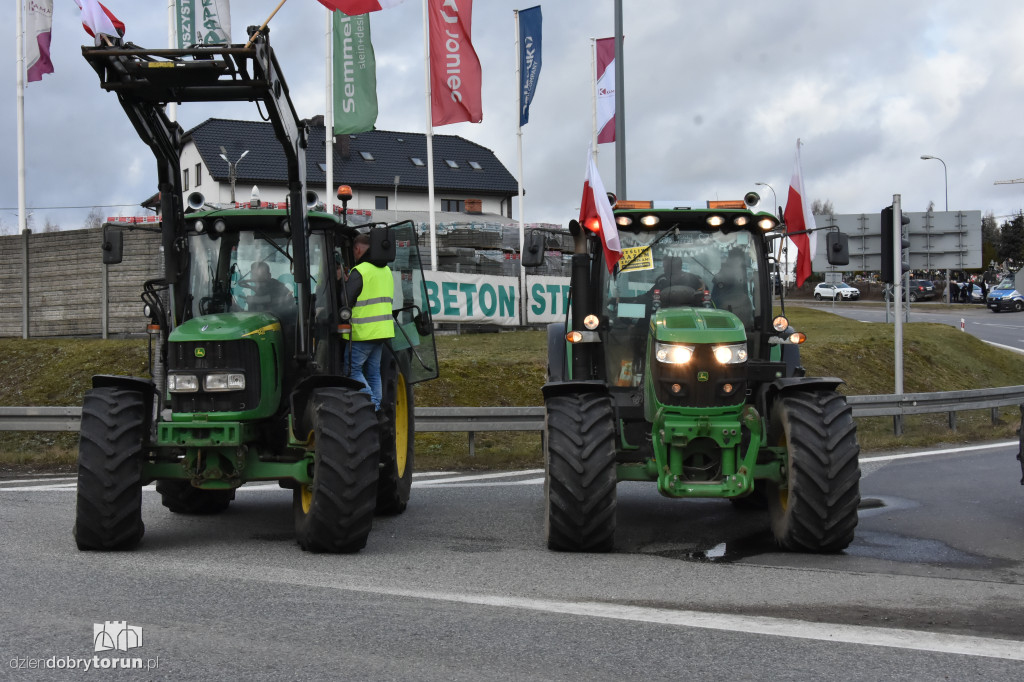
(482, 419)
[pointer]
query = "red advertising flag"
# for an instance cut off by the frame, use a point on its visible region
(454, 67)
(605, 58)
(354, 8)
(799, 218)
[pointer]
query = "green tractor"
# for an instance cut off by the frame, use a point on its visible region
(673, 369)
(249, 328)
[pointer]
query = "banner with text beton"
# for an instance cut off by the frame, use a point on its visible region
(488, 299)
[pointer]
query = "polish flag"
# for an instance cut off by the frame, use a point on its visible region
(356, 7)
(798, 218)
(596, 213)
(605, 57)
(98, 19)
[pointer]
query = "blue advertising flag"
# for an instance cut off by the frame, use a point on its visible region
(529, 59)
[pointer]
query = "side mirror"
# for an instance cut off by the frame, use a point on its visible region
(113, 245)
(382, 245)
(838, 248)
(533, 249)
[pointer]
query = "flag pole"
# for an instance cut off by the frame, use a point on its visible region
(620, 107)
(22, 215)
(430, 138)
(519, 179)
(172, 42)
(260, 29)
(329, 113)
(593, 94)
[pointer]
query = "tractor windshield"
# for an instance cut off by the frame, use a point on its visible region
(678, 267)
(247, 271)
(685, 268)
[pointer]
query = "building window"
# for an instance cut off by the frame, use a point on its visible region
(451, 164)
(199, 174)
(475, 166)
(367, 156)
(184, 180)
(416, 161)
(380, 203)
(453, 205)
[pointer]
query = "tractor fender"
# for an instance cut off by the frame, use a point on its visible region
(558, 357)
(299, 398)
(772, 391)
(557, 388)
(146, 387)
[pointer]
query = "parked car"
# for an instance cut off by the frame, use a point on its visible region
(842, 290)
(1005, 296)
(921, 290)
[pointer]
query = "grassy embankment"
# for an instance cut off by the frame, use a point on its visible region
(508, 369)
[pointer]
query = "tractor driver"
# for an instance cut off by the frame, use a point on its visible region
(678, 287)
(731, 287)
(267, 293)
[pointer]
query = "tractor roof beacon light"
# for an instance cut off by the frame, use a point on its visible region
(344, 196)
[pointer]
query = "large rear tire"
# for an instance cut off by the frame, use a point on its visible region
(108, 510)
(334, 513)
(815, 510)
(181, 497)
(397, 441)
(580, 479)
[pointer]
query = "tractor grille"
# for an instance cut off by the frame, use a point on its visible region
(702, 382)
(240, 356)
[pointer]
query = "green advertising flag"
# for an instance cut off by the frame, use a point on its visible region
(203, 22)
(355, 75)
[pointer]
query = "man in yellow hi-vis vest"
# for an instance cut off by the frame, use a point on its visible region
(371, 290)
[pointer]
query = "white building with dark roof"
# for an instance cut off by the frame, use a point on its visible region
(385, 169)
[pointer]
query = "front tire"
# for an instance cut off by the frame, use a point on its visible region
(817, 297)
(181, 497)
(397, 441)
(1018, 306)
(815, 509)
(580, 478)
(334, 513)
(108, 510)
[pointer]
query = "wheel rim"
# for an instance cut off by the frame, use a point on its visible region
(401, 426)
(306, 493)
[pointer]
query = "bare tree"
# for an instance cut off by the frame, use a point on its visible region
(50, 226)
(822, 207)
(94, 219)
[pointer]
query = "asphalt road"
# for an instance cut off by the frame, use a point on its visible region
(1004, 329)
(461, 587)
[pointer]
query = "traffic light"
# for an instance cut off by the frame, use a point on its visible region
(887, 245)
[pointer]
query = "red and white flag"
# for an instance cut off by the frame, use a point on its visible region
(605, 57)
(596, 213)
(454, 67)
(356, 7)
(799, 218)
(38, 23)
(98, 19)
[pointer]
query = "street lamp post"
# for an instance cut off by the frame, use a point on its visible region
(945, 177)
(945, 182)
(232, 169)
(775, 199)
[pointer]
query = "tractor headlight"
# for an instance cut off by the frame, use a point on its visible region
(224, 382)
(780, 324)
(673, 354)
(182, 383)
(731, 355)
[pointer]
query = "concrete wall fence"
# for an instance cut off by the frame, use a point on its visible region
(66, 283)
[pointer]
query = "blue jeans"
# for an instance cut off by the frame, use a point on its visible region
(364, 357)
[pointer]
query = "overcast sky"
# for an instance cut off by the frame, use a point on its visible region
(717, 94)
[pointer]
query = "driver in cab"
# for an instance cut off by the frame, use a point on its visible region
(267, 293)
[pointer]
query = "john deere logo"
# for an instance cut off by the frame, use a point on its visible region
(201, 353)
(702, 376)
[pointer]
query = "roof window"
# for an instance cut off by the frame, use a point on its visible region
(367, 156)
(416, 161)
(475, 166)
(451, 163)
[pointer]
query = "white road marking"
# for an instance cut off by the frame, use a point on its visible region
(1005, 347)
(446, 484)
(896, 638)
(478, 477)
(926, 453)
